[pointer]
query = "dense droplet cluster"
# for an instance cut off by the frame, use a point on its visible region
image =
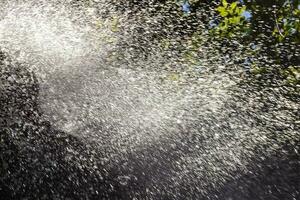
(105, 100)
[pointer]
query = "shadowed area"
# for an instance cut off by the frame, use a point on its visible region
(146, 100)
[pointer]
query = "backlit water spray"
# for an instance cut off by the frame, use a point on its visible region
(186, 127)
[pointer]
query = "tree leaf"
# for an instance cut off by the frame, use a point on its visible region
(224, 3)
(223, 12)
(232, 7)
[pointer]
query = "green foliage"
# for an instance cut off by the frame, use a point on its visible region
(270, 36)
(287, 25)
(232, 21)
(292, 75)
(258, 70)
